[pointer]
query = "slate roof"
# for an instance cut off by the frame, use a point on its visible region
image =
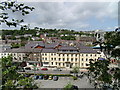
(32, 44)
(67, 48)
(49, 50)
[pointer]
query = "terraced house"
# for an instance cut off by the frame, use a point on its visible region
(56, 54)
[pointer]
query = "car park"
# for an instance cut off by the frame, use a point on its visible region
(50, 78)
(46, 77)
(55, 78)
(44, 69)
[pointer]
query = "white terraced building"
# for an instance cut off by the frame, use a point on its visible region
(55, 54)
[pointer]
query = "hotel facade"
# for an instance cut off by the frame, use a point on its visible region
(55, 54)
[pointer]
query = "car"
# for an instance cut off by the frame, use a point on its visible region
(41, 77)
(44, 69)
(36, 77)
(46, 77)
(20, 69)
(27, 75)
(71, 71)
(74, 87)
(27, 68)
(50, 78)
(57, 69)
(55, 78)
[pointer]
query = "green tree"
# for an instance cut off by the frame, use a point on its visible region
(69, 86)
(11, 79)
(14, 7)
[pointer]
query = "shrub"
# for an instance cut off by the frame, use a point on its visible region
(74, 78)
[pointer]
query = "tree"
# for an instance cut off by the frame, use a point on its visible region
(69, 86)
(14, 7)
(11, 79)
(99, 71)
(75, 70)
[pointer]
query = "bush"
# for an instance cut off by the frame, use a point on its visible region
(74, 78)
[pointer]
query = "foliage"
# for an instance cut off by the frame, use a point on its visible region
(11, 79)
(99, 70)
(13, 7)
(75, 69)
(74, 78)
(116, 53)
(15, 45)
(68, 37)
(69, 86)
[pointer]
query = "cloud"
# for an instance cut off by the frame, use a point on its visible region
(70, 15)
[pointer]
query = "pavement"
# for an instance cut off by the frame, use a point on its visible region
(62, 82)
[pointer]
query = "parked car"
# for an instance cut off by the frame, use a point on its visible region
(71, 71)
(44, 69)
(57, 69)
(50, 78)
(55, 78)
(46, 77)
(20, 69)
(36, 77)
(27, 75)
(41, 77)
(74, 87)
(27, 68)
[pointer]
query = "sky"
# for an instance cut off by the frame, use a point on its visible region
(79, 16)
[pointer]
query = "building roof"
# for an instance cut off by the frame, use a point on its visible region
(67, 48)
(32, 44)
(49, 50)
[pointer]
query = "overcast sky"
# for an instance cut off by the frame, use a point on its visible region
(71, 15)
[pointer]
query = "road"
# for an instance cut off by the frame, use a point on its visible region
(49, 72)
(62, 81)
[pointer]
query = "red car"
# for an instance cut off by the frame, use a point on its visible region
(44, 69)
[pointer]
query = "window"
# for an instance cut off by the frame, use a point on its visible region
(95, 54)
(63, 54)
(42, 58)
(63, 64)
(75, 59)
(91, 55)
(82, 59)
(59, 64)
(45, 58)
(67, 54)
(52, 63)
(51, 54)
(54, 54)
(71, 55)
(45, 54)
(56, 63)
(54, 58)
(86, 54)
(86, 64)
(76, 55)
(59, 54)
(86, 59)
(71, 59)
(59, 59)
(51, 58)
(82, 64)
(67, 59)
(82, 54)
(63, 59)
